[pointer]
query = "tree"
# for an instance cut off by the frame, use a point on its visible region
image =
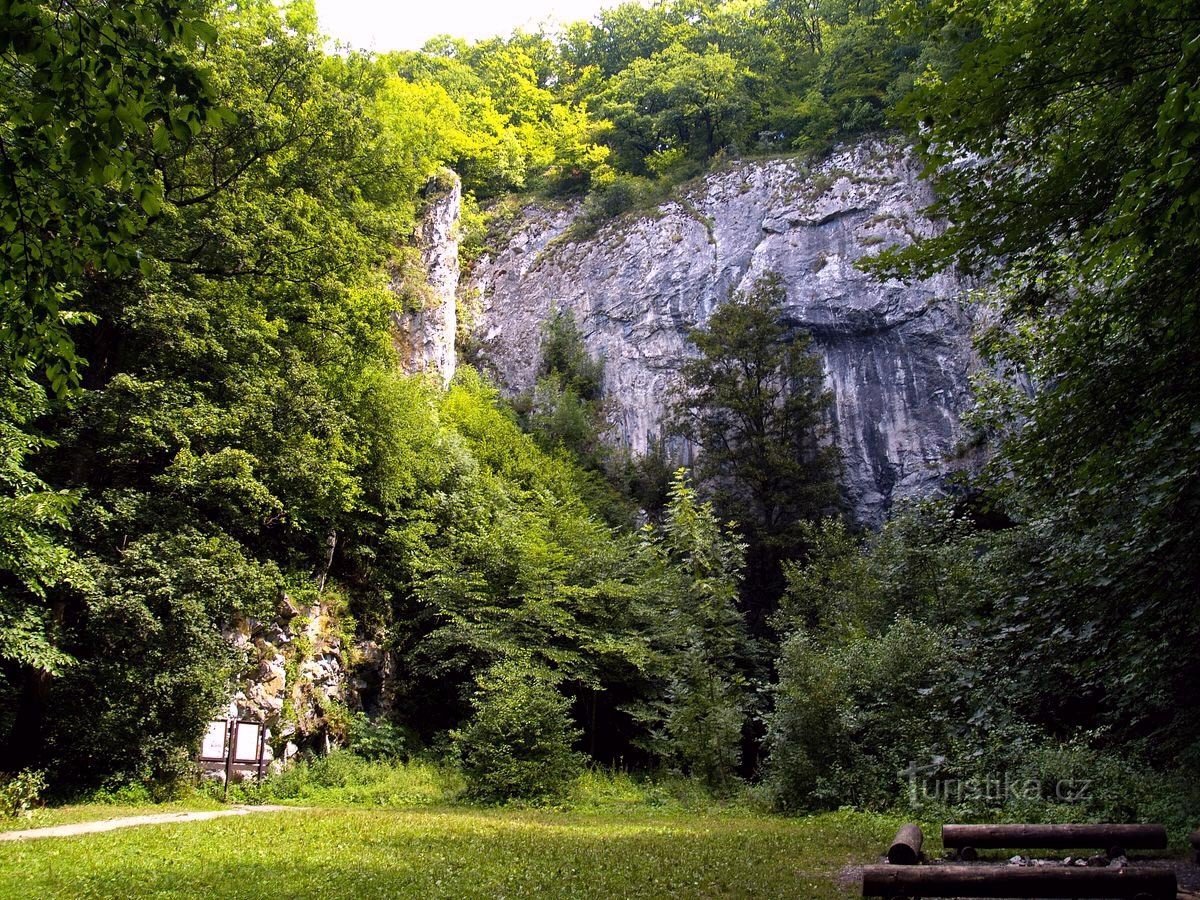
(518, 741)
(566, 408)
(89, 92)
(753, 403)
(221, 435)
(707, 652)
(1062, 139)
(677, 99)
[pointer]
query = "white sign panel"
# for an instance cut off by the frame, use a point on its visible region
(214, 741)
(247, 742)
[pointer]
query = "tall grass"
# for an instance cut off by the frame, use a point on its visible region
(342, 778)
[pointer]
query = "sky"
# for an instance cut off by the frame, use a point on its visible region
(406, 25)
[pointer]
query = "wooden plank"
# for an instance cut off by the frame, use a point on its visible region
(906, 848)
(1018, 881)
(1115, 839)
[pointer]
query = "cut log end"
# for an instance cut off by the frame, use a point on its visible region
(906, 847)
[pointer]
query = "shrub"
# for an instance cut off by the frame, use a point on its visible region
(376, 739)
(1014, 772)
(705, 718)
(518, 742)
(20, 793)
(839, 733)
(623, 194)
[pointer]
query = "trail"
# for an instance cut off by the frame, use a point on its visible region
(78, 828)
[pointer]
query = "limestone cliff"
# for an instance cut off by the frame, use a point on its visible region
(427, 320)
(897, 356)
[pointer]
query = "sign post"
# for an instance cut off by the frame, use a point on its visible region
(229, 743)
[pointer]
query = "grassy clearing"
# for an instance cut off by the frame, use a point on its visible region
(396, 830)
(343, 779)
(449, 852)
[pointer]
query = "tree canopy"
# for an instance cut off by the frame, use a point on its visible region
(205, 426)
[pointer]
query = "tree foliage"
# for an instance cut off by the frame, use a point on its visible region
(518, 743)
(753, 403)
(88, 92)
(695, 697)
(1061, 136)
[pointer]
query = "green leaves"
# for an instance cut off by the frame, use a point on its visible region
(753, 402)
(518, 743)
(1061, 136)
(79, 90)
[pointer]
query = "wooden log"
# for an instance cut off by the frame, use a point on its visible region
(1195, 839)
(1115, 839)
(1017, 881)
(906, 848)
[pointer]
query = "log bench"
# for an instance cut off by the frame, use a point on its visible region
(1113, 839)
(1012, 881)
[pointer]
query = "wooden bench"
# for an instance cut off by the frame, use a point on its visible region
(1016, 881)
(1113, 839)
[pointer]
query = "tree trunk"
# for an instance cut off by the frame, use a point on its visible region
(331, 544)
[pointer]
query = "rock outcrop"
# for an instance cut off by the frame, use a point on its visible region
(427, 322)
(897, 355)
(295, 678)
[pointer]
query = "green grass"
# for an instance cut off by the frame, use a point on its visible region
(375, 829)
(343, 779)
(456, 852)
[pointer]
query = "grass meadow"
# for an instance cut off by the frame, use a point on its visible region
(397, 831)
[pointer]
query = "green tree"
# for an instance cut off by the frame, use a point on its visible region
(221, 428)
(1061, 136)
(678, 98)
(518, 742)
(707, 654)
(837, 733)
(88, 93)
(566, 407)
(753, 403)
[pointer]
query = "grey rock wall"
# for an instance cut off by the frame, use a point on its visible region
(897, 356)
(425, 337)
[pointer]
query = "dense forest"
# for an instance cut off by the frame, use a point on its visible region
(205, 209)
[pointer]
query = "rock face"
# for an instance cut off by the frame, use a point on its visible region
(295, 676)
(425, 328)
(897, 356)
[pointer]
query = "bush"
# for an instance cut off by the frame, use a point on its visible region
(623, 194)
(377, 739)
(518, 742)
(20, 793)
(705, 718)
(1014, 772)
(850, 718)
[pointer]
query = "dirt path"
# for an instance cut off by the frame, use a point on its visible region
(133, 821)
